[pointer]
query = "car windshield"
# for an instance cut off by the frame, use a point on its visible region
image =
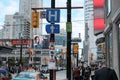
(26, 76)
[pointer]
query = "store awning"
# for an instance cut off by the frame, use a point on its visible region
(100, 40)
(4, 49)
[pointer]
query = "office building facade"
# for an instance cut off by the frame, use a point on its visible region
(90, 38)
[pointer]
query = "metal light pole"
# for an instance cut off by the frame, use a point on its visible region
(52, 72)
(21, 49)
(69, 30)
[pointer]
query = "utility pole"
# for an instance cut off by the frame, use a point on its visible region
(52, 71)
(69, 30)
(20, 49)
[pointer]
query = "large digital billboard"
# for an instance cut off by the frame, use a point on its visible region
(37, 42)
(41, 42)
(15, 43)
(99, 24)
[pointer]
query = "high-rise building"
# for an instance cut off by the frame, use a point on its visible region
(8, 27)
(14, 25)
(90, 38)
(25, 8)
(1, 33)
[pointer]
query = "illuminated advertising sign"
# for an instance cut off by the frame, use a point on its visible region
(99, 24)
(38, 41)
(15, 43)
(24, 42)
(98, 3)
(41, 42)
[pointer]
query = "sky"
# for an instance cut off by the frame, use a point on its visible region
(8, 7)
(77, 15)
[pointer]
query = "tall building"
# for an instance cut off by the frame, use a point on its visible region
(14, 25)
(8, 27)
(1, 33)
(21, 25)
(25, 8)
(90, 38)
(112, 34)
(61, 38)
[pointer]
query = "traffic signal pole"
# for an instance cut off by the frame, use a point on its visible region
(52, 71)
(21, 50)
(69, 30)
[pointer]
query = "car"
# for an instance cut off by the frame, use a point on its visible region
(28, 75)
(5, 75)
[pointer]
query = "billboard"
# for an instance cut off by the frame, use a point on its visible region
(38, 41)
(41, 42)
(15, 43)
(99, 24)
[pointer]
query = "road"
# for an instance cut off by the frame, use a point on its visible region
(60, 75)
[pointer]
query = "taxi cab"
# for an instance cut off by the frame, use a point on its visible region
(28, 75)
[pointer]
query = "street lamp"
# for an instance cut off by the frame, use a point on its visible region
(20, 49)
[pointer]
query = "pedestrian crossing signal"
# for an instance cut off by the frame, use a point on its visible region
(31, 51)
(76, 48)
(35, 19)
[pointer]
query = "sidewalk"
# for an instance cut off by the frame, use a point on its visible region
(71, 79)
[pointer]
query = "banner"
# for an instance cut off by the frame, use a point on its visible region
(99, 24)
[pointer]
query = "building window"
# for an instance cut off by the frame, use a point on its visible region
(109, 49)
(119, 43)
(119, 34)
(108, 7)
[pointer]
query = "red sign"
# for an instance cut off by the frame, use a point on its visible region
(25, 42)
(98, 3)
(99, 24)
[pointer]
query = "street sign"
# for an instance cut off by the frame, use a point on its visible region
(69, 27)
(53, 15)
(52, 38)
(52, 28)
(76, 40)
(52, 46)
(52, 64)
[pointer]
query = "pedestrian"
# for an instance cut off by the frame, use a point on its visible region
(87, 73)
(82, 73)
(105, 73)
(92, 73)
(31, 68)
(76, 73)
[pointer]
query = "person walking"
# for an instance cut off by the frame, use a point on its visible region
(105, 73)
(92, 72)
(76, 73)
(87, 73)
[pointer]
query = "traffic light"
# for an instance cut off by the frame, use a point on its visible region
(91, 56)
(52, 54)
(75, 48)
(35, 19)
(31, 51)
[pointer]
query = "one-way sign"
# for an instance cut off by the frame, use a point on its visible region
(52, 28)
